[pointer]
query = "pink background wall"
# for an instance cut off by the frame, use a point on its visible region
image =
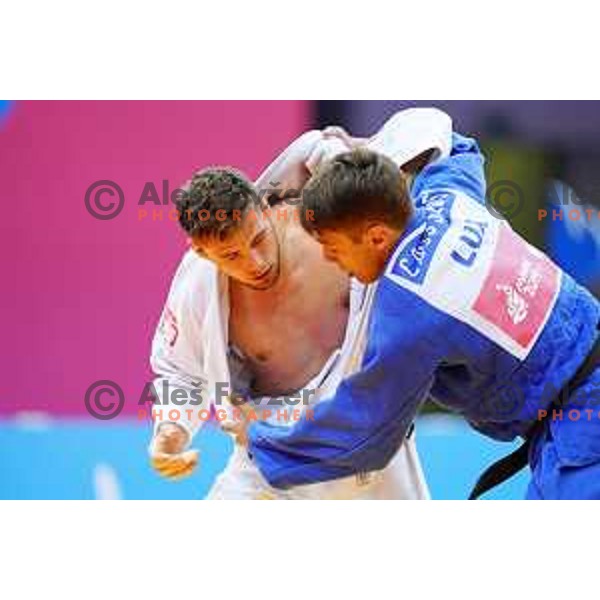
(81, 297)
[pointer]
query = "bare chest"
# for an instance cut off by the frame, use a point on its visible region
(287, 338)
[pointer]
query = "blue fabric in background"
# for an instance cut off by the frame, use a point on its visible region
(574, 244)
(70, 459)
(5, 107)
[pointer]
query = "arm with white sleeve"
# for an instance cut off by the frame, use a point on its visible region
(292, 168)
(410, 133)
(405, 136)
(177, 361)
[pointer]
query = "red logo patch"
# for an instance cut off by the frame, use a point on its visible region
(519, 290)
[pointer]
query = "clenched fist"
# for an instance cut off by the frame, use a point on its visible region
(167, 452)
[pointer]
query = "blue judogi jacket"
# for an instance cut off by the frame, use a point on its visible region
(467, 312)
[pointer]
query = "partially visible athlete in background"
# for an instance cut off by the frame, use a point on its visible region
(465, 310)
(573, 243)
(255, 303)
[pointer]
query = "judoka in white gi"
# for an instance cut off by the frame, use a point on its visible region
(251, 305)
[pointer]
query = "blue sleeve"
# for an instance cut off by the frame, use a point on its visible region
(462, 171)
(362, 426)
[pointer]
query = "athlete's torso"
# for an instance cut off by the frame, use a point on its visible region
(287, 333)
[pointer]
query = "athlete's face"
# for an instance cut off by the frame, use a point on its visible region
(362, 253)
(249, 253)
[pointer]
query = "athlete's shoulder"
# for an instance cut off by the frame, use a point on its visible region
(463, 261)
(193, 283)
(441, 219)
(461, 171)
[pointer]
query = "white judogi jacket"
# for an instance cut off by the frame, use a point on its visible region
(191, 345)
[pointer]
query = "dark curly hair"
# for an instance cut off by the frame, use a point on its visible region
(213, 201)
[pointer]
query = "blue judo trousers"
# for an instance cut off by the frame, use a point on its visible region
(470, 314)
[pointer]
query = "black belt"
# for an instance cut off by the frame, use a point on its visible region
(510, 465)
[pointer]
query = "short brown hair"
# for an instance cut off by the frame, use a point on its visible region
(212, 190)
(354, 187)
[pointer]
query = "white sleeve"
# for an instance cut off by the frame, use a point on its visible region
(411, 132)
(403, 137)
(301, 158)
(177, 355)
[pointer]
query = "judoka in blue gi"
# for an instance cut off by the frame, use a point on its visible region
(464, 311)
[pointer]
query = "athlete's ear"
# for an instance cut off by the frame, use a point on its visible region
(196, 247)
(378, 235)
